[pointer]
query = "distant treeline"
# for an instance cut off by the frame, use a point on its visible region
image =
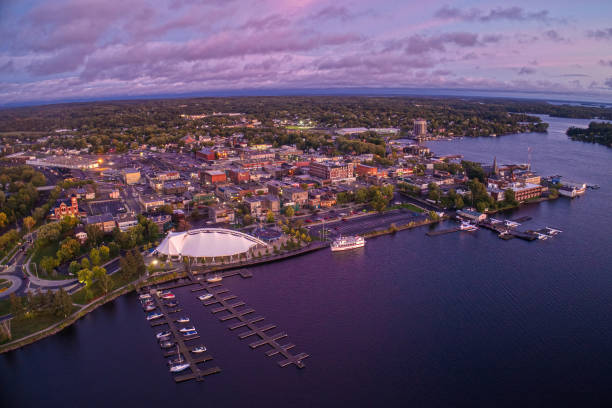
(332, 111)
(597, 132)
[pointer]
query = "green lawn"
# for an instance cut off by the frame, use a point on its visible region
(410, 207)
(5, 306)
(49, 250)
(24, 326)
(81, 297)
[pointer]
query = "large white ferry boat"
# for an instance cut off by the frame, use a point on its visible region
(349, 242)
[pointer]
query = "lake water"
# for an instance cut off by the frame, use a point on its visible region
(409, 320)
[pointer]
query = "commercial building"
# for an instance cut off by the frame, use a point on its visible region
(420, 127)
(526, 191)
(295, 195)
(214, 177)
(105, 222)
(331, 171)
(362, 170)
(151, 202)
(239, 176)
(206, 154)
(131, 176)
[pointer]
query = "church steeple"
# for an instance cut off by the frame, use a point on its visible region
(495, 169)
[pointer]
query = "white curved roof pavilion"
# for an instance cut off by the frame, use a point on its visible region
(207, 242)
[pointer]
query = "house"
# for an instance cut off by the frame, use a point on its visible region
(80, 234)
(239, 176)
(162, 221)
(131, 176)
(105, 222)
(151, 202)
(220, 213)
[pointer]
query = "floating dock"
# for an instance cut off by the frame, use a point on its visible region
(244, 318)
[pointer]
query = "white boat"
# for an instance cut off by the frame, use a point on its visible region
(163, 334)
(190, 333)
(154, 315)
(150, 308)
(183, 319)
(511, 224)
(199, 349)
(205, 296)
(167, 295)
(542, 236)
(144, 296)
(214, 278)
(178, 365)
(466, 226)
(552, 231)
(187, 329)
(177, 368)
(348, 242)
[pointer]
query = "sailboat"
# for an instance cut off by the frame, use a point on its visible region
(180, 365)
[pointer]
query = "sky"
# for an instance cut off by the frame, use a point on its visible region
(70, 49)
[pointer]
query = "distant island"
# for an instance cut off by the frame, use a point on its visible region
(597, 132)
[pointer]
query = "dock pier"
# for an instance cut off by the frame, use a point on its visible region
(238, 311)
(196, 372)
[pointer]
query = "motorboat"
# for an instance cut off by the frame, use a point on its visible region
(214, 278)
(466, 226)
(179, 367)
(183, 319)
(149, 308)
(166, 344)
(165, 338)
(205, 296)
(172, 304)
(199, 349)
(175, 361)
(167, 295)
(154, 315)
(190, 333)
(144, 296)
(187, 329)
(163, 334)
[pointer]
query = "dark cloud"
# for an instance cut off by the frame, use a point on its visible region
(601, 34)
(554, 36)
(574, 75)
(526, 71)
(605, 63)
(418, 44)
(608, 83)
(7, 68)
(499, 13)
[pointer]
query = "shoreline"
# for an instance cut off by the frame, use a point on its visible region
(85, 310)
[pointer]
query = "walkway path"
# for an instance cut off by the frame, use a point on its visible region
(15, 284)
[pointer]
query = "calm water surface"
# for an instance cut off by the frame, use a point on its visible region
(455, 320)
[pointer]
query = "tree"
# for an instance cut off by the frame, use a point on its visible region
(434, 192)
(85, 264)
(94, 234)
(101, 276)
(62, 304)
(94, 257)
(48, 264)
(270, 217)
(16, 306)
(3, 220)
(509, 197)
(458, 203)
(74, 267)
(104, 253)
(28, 223)
(68, 249)
(85, 276)
(289, 212)
(434, 216)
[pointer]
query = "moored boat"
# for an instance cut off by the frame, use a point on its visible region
(199, 349)
(144, 296)
(214, 278)
(154, 315)
(149, 308)
(164, 333)
(187, 329)
(183, 319)
(172, 304)
(190, 333)
(179, 367)
(205, 296)
(166, 344)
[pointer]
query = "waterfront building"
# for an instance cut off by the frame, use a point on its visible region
(420, 127)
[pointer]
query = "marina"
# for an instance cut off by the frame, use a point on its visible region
(181, 338)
